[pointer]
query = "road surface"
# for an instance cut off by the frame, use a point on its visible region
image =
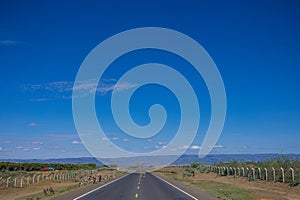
(137, 186)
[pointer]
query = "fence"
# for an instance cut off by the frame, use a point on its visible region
(285, 175)
(32, 178)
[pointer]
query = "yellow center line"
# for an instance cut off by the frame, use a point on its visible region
(138, 187)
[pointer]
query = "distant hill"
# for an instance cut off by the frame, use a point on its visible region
(82, 160)
(184, 159)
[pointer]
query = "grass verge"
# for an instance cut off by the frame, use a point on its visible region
(41, 195)
(220, 190)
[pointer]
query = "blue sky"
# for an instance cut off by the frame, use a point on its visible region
(255, 44)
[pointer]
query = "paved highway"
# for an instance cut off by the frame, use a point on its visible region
(137, 186)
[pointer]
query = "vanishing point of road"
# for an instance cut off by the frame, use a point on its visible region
(145, 186)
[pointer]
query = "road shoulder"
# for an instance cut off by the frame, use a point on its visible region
(194, 192)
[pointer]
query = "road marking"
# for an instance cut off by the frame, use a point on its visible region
(136, 195)
(176, 187)
(138, 187)
(100, 187)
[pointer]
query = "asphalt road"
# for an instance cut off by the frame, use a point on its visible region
(138, 186)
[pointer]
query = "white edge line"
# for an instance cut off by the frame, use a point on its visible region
(176, 187)
(100, 187)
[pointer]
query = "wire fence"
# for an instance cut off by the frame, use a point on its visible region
(280, 174)
(25, 179)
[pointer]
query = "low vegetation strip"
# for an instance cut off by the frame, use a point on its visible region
(276, 178)
(280, 169)
(28, 167)
(220, 190)
(49, 189)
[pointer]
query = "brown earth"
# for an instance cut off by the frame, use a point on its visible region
(15, 193)
(263, 190)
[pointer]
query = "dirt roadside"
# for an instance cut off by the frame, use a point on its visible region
(262, 190)
(37, 188)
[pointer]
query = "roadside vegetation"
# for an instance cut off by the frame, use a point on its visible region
(245, 180)
(13, 167)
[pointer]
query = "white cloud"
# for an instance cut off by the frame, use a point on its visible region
(183, 147)
(105, 139)
(33, 124)
(124, 86)
(25, 149)
(114, 138)
(1, 148)
(217, 146)
(76, 142)
(37, 142)
(8, 42)
(195, 147)
(160, 143)
(125, 140)
(19, 147)
(36, 148)
(63, 89)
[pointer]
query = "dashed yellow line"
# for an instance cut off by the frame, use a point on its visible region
(136, 195)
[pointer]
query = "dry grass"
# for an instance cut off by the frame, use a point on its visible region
(225, 185)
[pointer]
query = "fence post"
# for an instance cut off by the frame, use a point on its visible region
(227, 171)
(33, 178)
(293, 174)
(7, 181)
(21, 183)
(15, 182)
(282, 171)
(274, 174)
(28, 180)
(243, 171)
(259, 173)
(266, 171)
(253, 173)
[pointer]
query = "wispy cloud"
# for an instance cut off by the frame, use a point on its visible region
(125, 140)
(195, 147)
(1, 148)
(19, 147)
(37, 142)
(61, 137)
(63, 89)
(217, 146)
(8, 42)
(76, 142)
(36, 148)
(160, 143)
(33, 124)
